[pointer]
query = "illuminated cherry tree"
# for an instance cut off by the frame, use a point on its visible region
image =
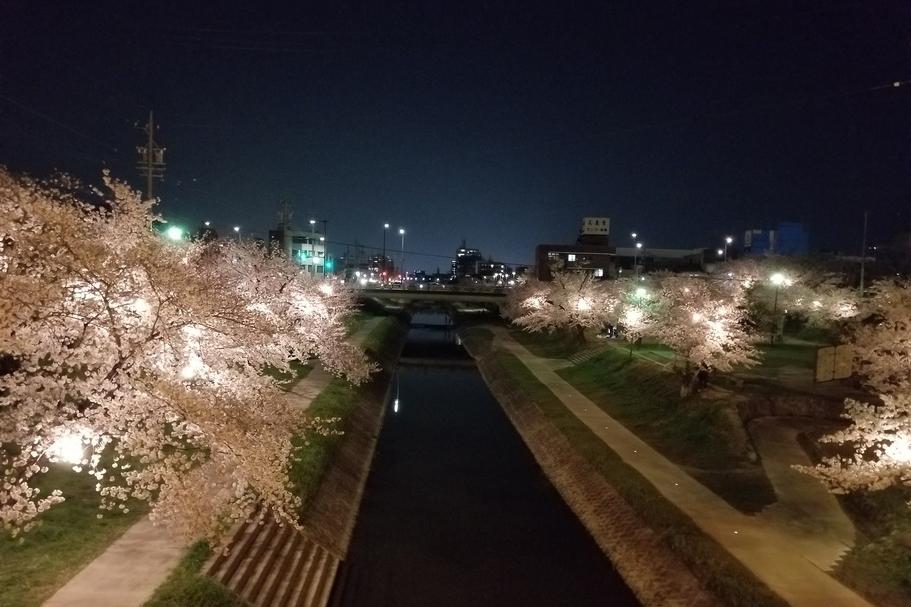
(141, 361)
(879, 435)
(777, 286)
(571, 302)
(703, 321)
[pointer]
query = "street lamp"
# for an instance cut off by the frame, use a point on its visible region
(174, 233)
(727, 240)
(237, 231)
(312, 267)
(383, 260)
(402, 234)
(720, 252)
(778, 279)
(636, 257)
(207, 223)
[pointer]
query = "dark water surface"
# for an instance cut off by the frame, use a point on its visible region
(457, 512)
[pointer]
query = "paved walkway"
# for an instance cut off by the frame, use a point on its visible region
(809, 514)
(785, 565)
(127, 573)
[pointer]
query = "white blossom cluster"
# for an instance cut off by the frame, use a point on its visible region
(702, 320)
(879, 436)
(141, 361)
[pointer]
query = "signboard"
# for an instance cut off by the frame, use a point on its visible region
(834, 362)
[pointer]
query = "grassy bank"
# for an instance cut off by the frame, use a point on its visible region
(700, 434)
(549, 345)
(723, 575)
(70, 536)
(186, 585)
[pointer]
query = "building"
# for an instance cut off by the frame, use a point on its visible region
(467, 263)
(590, 253)
(307, 248)
(597, 259)
(788, 238)
(659, 260)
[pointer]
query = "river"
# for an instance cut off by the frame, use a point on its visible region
(456, 511)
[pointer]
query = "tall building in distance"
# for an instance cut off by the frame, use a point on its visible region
(466, 263)
(788, 238)
(305, 247)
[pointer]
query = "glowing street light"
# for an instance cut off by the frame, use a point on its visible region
(174, 233)
(237, 231)
(727, 240)
(720, 252)
(68, 448)
(778, 279)
(383, 260)
(641, 293)
(636, 256)
(207, 223)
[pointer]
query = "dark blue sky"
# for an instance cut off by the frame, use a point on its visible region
(502, 123)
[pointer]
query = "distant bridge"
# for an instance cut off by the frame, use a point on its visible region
(450, 295)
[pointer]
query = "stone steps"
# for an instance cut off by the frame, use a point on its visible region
(275, 565)
(584, 355)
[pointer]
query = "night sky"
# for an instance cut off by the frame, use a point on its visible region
(502, 123)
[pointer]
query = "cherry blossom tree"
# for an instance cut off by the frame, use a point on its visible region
(779, 286)
(140, 361)
(880, 434)
(703, 320)
(571, 302)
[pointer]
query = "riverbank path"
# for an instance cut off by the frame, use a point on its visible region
(794, 568)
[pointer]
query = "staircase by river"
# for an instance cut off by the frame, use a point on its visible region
(273, 565)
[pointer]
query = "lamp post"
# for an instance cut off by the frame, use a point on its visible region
(322, 241)
(402, 234)
(778, 279)
(383, 260)
(636, 258)
(727, 240)
(237, 231)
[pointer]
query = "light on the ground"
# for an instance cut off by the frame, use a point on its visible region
(68, 448)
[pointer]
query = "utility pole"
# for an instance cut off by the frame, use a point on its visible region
(863, 254)
(151, 158)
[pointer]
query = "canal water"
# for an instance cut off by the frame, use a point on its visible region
(456, 511)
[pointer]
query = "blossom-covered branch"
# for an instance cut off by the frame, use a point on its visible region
(141, 361)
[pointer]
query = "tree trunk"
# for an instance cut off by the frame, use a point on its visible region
(580, 334)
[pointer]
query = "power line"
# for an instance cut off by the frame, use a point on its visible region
(53, 120)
